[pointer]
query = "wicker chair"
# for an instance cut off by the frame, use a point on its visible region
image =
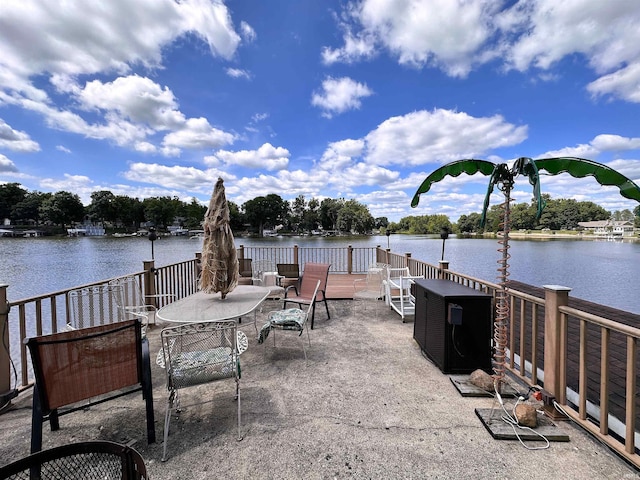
(107, 361)
(294, 319)
(98, 460)
(197, 353)
(306, 296)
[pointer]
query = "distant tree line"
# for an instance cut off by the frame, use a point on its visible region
(64, 208)
(558, 214)
(271, 212)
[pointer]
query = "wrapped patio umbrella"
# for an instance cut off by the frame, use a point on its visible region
(219, 257)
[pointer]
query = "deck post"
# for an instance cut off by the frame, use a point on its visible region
(240, 252)
(5, 361)
(555, 296)
(350, 259)
(149, 280)
(295, 254)
(444, 265)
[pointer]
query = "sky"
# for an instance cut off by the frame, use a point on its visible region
(321, 98)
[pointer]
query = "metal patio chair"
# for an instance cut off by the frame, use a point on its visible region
(134, 303)
(308, 295)
(294, 319)
(96, 460)
(370, 288)
(198, 353)
(95, 305)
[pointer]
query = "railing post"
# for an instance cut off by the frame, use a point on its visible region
(388, 262)
(5, 361)
(555, 296)
(349, 259)
(240, 252)
(444, 265)
(149, 280)
(295, 254)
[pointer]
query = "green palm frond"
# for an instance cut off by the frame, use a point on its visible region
(582, 167)
(469, 166)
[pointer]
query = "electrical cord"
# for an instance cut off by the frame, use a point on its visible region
(512, 420)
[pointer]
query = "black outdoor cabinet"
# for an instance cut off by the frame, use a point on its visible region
(453, 325)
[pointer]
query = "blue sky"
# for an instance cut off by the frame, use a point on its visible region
(353, 99)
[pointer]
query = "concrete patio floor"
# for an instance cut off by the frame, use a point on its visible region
(366, 404)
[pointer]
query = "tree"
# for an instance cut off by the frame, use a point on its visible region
(268, 211)
(329, 210)
(161, 211)
(194, 211)
(102, 206)
(28, 209)
(298, 207)
(354, 217)
(129, 211)
(469, 223)
(10, 195)
(62, 208)
(381, 222)
(311, 218)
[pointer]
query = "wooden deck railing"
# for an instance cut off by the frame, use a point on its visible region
(543, 346)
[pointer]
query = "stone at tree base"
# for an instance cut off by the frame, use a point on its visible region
(527, 415)
(481, 379)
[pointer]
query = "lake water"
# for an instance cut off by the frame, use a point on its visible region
(600, 271)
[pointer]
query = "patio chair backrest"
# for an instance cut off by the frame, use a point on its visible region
(245, 267)
(94, 460)
(82, 364)
(310, 276)
(96, 305)
(199, 353)
(131, 299)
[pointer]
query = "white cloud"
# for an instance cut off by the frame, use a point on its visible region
(134, 98)
(339, 95)
(457, 36)
(606, 142)
(238, 73)
(623, 83)
(266, 157)
(438, 136)
(63, 149)
(417, 32)
(7, 165)
(247, 31)
(16, 140)
(178, 177)
(97, 36)
(197, 134)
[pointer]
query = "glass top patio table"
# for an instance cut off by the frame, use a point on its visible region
(209, 307)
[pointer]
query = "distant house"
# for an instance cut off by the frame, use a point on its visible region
(609, 228)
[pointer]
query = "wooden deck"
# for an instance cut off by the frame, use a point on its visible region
(340, 285)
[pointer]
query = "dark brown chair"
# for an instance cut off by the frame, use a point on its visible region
(82, 461)
(310, 276)
(109, 361)
(245, 271)
(289, 275)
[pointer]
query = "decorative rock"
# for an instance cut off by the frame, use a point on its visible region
(527, 415)
(481, 379)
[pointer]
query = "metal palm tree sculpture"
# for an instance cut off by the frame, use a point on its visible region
(503, 177)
